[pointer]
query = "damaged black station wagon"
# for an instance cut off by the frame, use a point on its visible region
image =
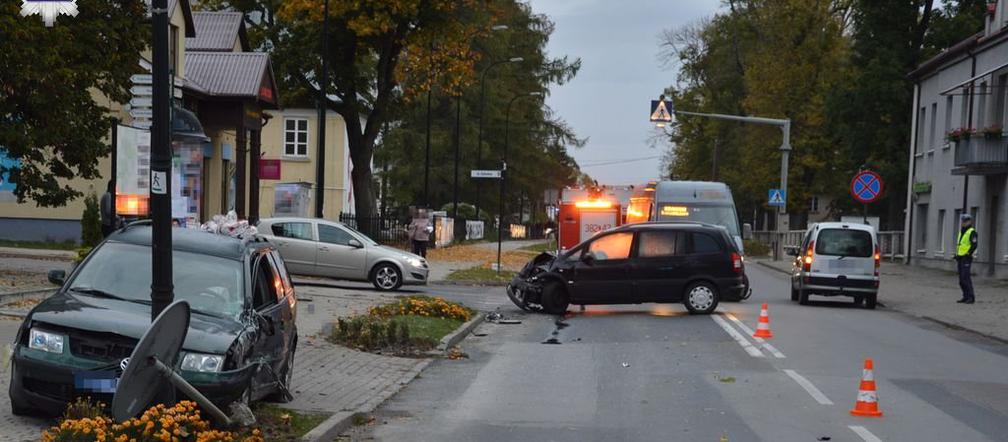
(242, 333)
(697, 264)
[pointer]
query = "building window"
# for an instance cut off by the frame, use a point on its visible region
(964, 110)
(999, 99)
(981, 119)
(934, 124)
(948, 114)
(173, 48)
(922, 226)
(296, 137)
(814, 205)
(921, 119)
(941, 232)
(956, 224)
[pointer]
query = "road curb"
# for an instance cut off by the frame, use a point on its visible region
(330, 428)
(771, 267)
(14, 296)
(470, 283)
(959, 327)
(459, 334)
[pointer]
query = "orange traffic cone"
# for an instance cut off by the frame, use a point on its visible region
(763, 327)
(867, 397)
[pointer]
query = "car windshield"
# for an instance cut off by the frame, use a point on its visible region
(844, 242)
(718, 215)
(210, 284)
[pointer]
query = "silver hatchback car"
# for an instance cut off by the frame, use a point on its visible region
(317, 247)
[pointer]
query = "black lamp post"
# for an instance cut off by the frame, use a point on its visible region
(503, 187)
(160, 165)
(320, 148)
(479, 137)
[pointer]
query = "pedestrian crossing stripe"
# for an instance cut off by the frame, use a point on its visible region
(661, 112)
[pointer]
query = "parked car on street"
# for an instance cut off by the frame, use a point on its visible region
(697, 264)
(837, 259)
(316, 247)
(242, 333)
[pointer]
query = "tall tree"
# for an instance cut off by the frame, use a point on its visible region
(50, 122)
(378, 50)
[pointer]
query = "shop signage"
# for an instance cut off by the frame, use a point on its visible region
(269, 169)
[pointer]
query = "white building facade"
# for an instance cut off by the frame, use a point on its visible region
(958, 158)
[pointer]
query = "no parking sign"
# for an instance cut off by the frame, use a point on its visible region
(866, 187)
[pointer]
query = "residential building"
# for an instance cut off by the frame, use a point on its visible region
(228, 94)
(958, 158)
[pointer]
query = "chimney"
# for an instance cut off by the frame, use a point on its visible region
(996, 16)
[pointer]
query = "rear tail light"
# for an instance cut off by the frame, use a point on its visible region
(736, 262)
(878, 259)
(807, 259)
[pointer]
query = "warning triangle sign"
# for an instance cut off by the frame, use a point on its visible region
(660, 112)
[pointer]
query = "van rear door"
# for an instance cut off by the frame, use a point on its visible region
(844, 252)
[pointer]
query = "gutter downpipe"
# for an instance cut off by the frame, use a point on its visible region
(969, 122)
(908, 220)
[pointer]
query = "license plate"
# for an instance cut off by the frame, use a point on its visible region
(96, 381)
(843, 264)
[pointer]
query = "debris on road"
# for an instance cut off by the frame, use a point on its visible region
(626, 365)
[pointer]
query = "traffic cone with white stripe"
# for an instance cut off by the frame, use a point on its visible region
(763, 326)
(867, 397)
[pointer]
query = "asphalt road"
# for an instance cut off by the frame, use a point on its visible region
(652, 372)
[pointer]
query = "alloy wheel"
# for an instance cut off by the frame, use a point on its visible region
(386, 278)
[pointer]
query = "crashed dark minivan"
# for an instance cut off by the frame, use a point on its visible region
(242, 332)
(694, 263)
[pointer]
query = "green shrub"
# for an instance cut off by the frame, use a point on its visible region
(91, 233)
(84, 408)
(755, 248)
(82, 253)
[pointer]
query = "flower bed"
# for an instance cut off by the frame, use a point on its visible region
(181, 422)
(408, 327)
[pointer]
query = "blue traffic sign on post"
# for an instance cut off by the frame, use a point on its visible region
(866, 187)
(776, 197)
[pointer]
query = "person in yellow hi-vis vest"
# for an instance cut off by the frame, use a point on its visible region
(966, 244)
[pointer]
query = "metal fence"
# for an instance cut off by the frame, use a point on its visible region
(383, 229)
(890, 242)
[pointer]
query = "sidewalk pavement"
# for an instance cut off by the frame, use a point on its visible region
(932, 294)
(61, 255)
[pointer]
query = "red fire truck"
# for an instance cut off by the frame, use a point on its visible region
(584, 213)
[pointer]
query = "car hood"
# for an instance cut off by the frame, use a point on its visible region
(541, 263)
(207, 334)
(394, 252)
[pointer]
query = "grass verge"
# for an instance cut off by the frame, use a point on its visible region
(548, 246)
(281, 424)
(481, 274)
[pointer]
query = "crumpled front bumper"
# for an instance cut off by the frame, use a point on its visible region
(524, 292)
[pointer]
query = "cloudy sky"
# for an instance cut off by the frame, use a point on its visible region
(608, 100)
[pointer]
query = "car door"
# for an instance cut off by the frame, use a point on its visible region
(604, 276)
(337, 257)
(267, 288)
(287, 303)
(708, 257)
(296, 242)
(660, 265)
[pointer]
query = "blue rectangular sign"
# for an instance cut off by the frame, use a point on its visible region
(776, 197)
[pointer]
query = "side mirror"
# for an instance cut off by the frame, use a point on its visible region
(791, 250)
(588, 258)
(355, 244)
(57, 277)
(266, 323)
(746, 231)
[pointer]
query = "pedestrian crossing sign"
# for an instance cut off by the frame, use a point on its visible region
(777, 197)
(660, 111)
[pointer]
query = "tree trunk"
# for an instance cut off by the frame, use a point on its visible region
(361, 151)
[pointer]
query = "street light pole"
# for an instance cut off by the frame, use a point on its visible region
(503, 187)
(320, 149)
(426, 174)
(160, 164)
(479, 136)
(458, 120)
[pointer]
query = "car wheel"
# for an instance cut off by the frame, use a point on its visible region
(701, 298)
(858, 300)
(794, 294)
(386, 277)
(554, 298)
(871, 301)
(288, 376)
(803, 297)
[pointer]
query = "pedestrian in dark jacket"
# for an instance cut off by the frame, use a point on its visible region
(106, 209)
(966, 244)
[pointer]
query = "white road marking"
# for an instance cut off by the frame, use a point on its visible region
(749, 348)
(810, 388)
(773, 350)
(864, 433)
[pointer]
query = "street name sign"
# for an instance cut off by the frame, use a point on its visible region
(485, 174)
(776, 197)
(866, 187)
